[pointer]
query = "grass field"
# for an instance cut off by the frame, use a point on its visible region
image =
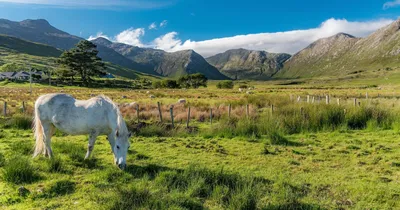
(300, 156)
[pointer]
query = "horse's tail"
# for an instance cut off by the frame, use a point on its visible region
(38, 131)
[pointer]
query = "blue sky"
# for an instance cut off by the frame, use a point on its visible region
(208, 26)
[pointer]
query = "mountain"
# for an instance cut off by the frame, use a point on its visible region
(22, 46)
(343, 54)
(21, 53)
(41, 31)
(170, 64)
(38, 31)
(248, 64)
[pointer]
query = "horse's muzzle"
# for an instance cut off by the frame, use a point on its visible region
(122, 166)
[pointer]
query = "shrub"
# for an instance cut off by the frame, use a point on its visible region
(225, 85)
(60, 188)
(19, 170)
(169, 83)
(19, 121)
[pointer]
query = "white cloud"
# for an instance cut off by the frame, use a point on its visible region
(391, 4)
(287, 41)
(131, 36)
(106, 4)
(163, 23)
(168, 41)
(152, 26)
(98, 35)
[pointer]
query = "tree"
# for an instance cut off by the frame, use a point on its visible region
(193, 81)
(169, 83)
(83, 61)
(225, 84)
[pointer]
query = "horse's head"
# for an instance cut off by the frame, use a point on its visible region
(121, 148)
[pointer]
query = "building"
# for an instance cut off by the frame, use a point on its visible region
(21, 75)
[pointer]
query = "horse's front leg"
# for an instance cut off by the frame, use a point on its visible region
(111, 139)
(92, 139)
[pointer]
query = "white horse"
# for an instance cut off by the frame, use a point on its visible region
(96, 116)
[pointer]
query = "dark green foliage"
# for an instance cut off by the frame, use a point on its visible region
(19, 121)
(225, 85)
(55, 164)
(2, 160)
(19, 170)
(83, 61)
(277, 139)
(193, 81)
(167, 83)
(60, 188)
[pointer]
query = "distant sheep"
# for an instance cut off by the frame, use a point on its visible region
(182, 101)
(241, 89)
(151, 96)
(249, 92)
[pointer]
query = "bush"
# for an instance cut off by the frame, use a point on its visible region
(19, 170)
(19, 121)
(169, 83)
(225, 85)
(60, 188)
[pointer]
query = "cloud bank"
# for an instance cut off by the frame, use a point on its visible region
(278, 42)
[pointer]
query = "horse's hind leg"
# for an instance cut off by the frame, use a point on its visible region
(92, 139)
(48, 131)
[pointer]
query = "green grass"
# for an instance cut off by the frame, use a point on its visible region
(351, 169)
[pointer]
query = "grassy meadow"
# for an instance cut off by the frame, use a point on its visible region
(288, 150)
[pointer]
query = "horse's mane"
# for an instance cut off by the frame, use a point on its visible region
(122, 128)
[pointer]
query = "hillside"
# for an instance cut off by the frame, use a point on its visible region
(248, 64)
(343, 54)
(173, 64)
(21, 53)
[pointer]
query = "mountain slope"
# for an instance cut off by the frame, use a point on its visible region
(343, 54)
(248, 64)
(22, 46)
(38, 31)
(173, 64)
(20, 54)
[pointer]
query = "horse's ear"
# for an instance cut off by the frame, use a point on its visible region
(117, 133)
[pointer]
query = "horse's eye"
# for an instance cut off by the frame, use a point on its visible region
(117, 147)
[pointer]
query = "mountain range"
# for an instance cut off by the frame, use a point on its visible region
(338, 55)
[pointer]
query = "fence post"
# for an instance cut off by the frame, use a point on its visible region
(188, 118)
(211, 116)
(313, 99)
(5, 109)
(247, 110)
(327, 99)
(229, 110)
(298, 98)
(272, 108)
(23, 107)
(159, 111)
(171, 110)
(338, 101)
(308, 98)
(137, 113)
(355, 101)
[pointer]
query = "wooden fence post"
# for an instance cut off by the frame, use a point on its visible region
(5, 109)
(159, 111)
(355, 101)
(272, 108)
(23, 107)
(229, 110)
(211, 116)
(327, 99)
(171, 110)
(338, 101)
(298, 98)
(313, 99)
(247, 110)
(137, 113)
(308, 98)
(188, 118)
